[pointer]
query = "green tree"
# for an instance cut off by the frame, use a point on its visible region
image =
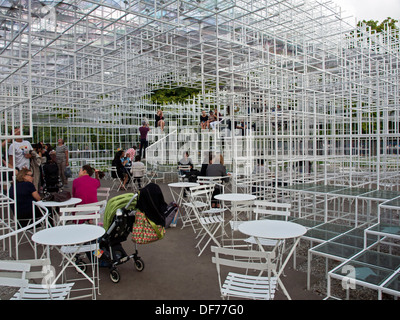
(176, 95)
(379, 27)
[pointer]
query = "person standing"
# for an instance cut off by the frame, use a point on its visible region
(20, 150)
(37, 161)
(62, 160)
(144, 130)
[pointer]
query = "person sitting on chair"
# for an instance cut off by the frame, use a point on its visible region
(185, 161)
(138, 170)
(121, 172)
(26, 194)
(217, 169)
(159, 120)
(85, 187)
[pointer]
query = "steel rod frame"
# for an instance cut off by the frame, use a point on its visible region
(320, 97)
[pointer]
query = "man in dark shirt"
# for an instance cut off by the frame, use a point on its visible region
(144, 130)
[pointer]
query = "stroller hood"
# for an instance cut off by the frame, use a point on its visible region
(116, 203)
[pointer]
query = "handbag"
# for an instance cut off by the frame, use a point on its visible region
(145, 231)
(171, 215)
(68, 172)
(57, 196)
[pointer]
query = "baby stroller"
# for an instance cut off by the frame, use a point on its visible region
(51, 178)
(119, 217)
(118, 222)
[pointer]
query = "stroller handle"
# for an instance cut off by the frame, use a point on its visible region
(130, 201)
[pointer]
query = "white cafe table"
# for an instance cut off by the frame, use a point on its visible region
(54, 205)
(275, 230)
(235, 199)
(177, 189)
(70, 235)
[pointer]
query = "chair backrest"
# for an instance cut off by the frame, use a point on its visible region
(184, 167)
(138, 172)
(39, 268)
(102, 204)
(246, 259)
(243, 259)
(13, 274)
(213, 180)
(113, 171)
(202, 193)
(81, 213)
(273, 209)
(103, 192)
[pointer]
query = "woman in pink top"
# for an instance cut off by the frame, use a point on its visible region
(85, 187)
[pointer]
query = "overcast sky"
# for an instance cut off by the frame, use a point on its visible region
(370, 9)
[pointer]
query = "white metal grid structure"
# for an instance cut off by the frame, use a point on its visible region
(319, 98)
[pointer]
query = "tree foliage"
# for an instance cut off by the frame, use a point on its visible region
(176, 95)
(379, 27)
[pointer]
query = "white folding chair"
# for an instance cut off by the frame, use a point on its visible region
(33, 225)
(103, 193)
(83, 213)
(245, 285)
(102, 204)
(115, 179)
(209, 219)
(139, 175)
(153, 174)
(182, 170)
(18, 273)
(270, 210)
(201, 199)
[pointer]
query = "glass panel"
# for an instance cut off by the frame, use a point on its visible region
(305, 222)
(352, 191)
(393, 203)
(394, 284)
(356, 242)
(381, 195)
(325, 188)
(301, 186)
(320, 234)
(380, 259)
(364, 272)
(337, 250)
(386, 228)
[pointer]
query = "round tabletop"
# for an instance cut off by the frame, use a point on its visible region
(68, 235)
(68, 202)
(183, 184)
(235, 197)
(272, 229)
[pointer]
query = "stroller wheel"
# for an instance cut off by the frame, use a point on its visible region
(139, 264)
(115, 276)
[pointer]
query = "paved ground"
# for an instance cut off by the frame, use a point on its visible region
(173, 270)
